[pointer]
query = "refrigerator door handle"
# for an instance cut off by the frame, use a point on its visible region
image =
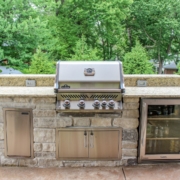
(142, 141)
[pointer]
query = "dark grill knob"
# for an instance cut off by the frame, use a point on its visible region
(111, 104)
(81, 104)
(104, 104)
(96, 104)
(66, 104)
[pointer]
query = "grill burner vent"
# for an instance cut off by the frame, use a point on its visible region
(89, 96)
(106, 96)
(70, 96)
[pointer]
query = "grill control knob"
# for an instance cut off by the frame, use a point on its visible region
(96, 104)
(111, 104)
(104, 104)
(66, 103)
(81, 104)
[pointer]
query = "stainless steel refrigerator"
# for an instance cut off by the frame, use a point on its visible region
(159, 130)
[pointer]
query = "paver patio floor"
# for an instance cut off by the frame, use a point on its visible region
(139, 172)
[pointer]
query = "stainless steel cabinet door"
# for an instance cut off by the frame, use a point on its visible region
(104, 144)
(72, 144)
(18, 134)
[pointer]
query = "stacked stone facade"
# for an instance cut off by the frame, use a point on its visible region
(41, 99)
(46, 120)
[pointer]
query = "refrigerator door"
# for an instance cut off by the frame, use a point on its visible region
(159, 129)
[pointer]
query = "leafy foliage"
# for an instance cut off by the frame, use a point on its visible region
(89, 30)
(100, 22)
(41, 64)
(137, 61)
(157, 26)
(178, 66)
(83, 52)
(21, 28)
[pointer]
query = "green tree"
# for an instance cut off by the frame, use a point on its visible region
(137, 61)
(22, 29)
(157, 26)
(101, 22)
(83, 52)
(41, 64)
(178, 66)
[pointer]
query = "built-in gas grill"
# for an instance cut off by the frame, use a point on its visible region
(89, 86)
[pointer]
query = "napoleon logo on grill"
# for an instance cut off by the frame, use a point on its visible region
(65, 87)
(89, 71)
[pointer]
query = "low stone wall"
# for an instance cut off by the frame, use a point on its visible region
(46, 120)
(129, 80)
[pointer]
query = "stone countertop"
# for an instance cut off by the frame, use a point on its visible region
(154, 92)
(27, 91)
(130, 92)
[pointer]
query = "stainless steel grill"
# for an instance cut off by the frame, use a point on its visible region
(89, 86)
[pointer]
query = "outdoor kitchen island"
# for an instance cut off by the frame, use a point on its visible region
(41, 99)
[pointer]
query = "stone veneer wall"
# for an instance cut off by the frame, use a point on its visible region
(129, 80)
(45, 120)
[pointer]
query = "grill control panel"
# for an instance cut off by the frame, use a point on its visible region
(89, 102)
(95, 105)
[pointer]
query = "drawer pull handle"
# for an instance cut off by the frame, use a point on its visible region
(24, 113)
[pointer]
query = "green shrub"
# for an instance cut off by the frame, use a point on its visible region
(137, 61)
(84, 52)
(41, 64)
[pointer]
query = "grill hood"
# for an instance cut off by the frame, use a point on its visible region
(90, 76)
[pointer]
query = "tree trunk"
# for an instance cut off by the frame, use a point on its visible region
(160, 63)
(129, 38)
(160, 66)
(58, 8)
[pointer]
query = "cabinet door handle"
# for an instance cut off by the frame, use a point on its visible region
(91, 140)
(85, 139)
